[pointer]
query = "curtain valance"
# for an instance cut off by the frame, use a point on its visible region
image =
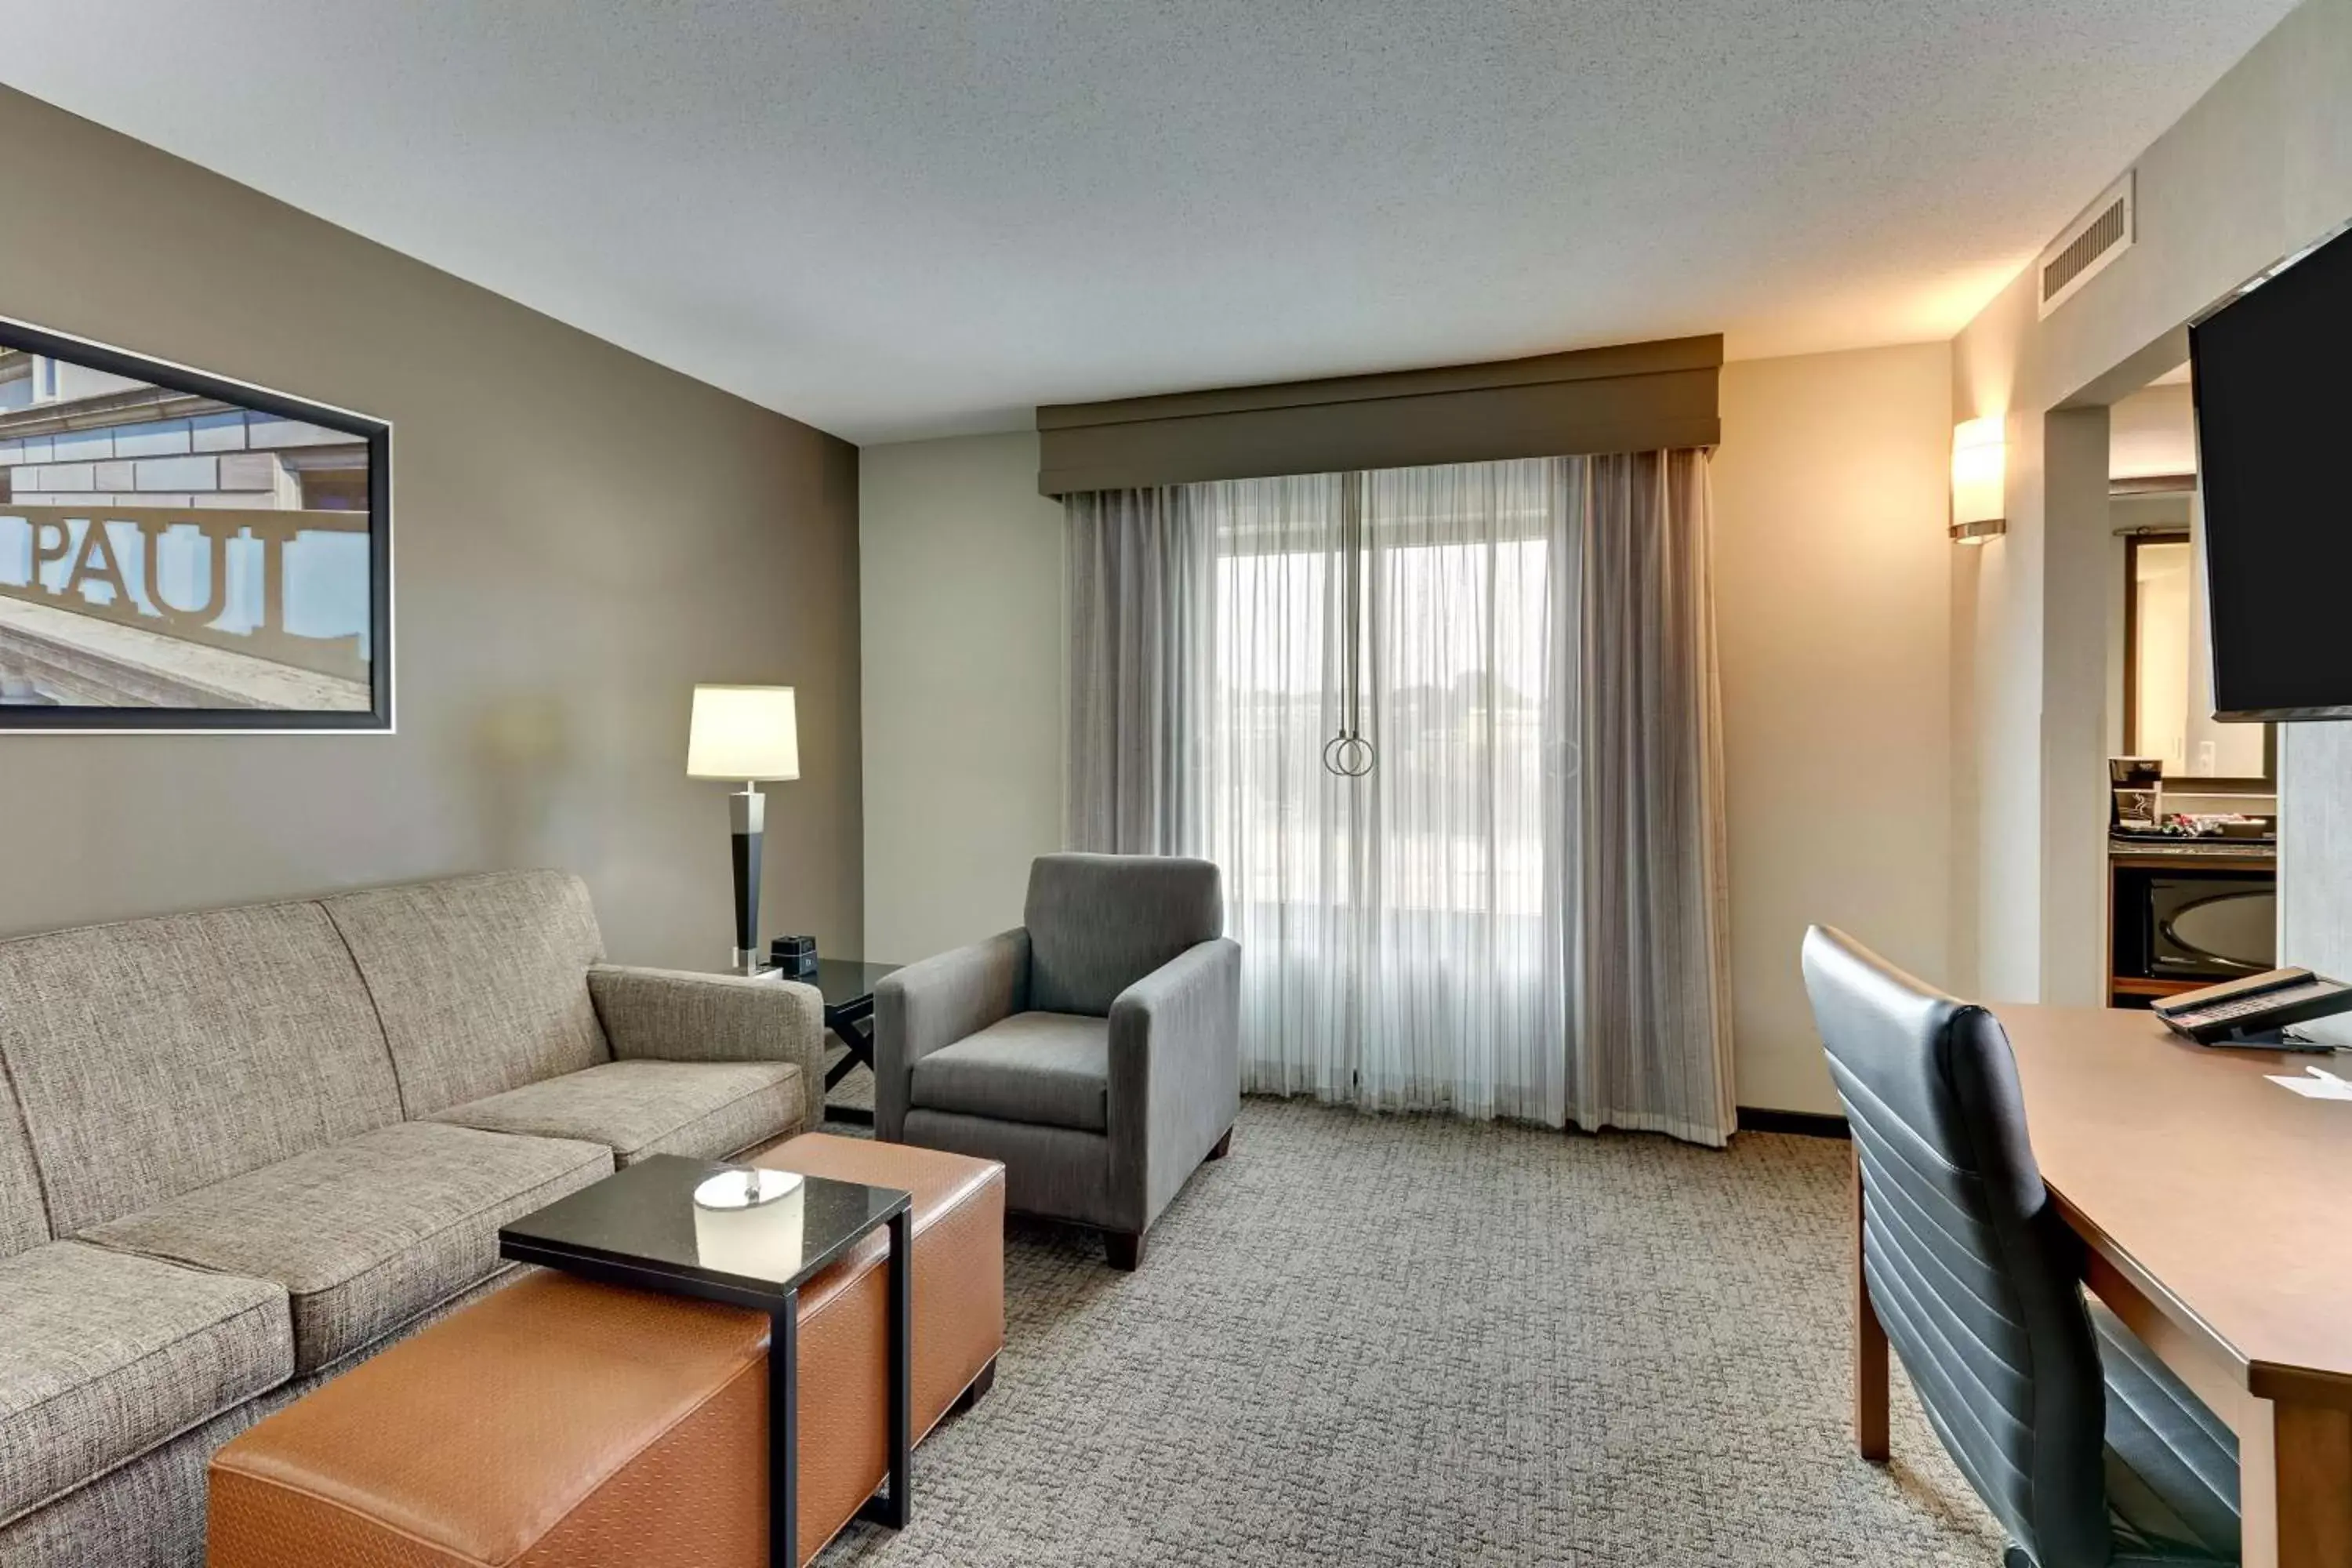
(1631, 398)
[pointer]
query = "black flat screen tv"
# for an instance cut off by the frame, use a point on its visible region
(2271, 372)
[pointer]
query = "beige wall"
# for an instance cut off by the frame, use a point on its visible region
(2259, 168)
(1832, 610)
(580, 536)
(1832, 573)
(2153, 431)
(964, 658)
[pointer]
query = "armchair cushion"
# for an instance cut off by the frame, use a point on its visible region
(1047, 1069)
(704, 1111)
(926, 1007)
(1099, 923)
(678, 1016)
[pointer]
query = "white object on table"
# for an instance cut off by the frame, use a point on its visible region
(2320, 1084)
(749, 1223)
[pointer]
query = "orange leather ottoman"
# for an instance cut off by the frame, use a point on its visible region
(558, 1424)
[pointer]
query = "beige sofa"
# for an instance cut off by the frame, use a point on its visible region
(242, 1150)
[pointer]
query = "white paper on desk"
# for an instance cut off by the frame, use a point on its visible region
(2317, 1084)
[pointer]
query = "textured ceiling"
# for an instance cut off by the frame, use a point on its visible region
(904, 217)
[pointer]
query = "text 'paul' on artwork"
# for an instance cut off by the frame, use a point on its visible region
(181, 551)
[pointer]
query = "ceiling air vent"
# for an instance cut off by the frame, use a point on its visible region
(2104, 232)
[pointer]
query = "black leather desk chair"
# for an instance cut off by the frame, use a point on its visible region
(2085, 1448)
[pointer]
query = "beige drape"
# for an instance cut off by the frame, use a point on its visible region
(1141, 610)
(1646, 941)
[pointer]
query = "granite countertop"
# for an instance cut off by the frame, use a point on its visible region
(2193, 848)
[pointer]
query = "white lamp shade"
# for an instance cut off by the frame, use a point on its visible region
(1978, 449)
(747, 732)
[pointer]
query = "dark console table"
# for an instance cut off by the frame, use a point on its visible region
(636, 1228)
(847, 987)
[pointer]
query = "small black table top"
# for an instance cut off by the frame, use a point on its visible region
(640, 1221)
(842, 981)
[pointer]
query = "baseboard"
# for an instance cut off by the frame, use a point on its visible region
(1803, 1123)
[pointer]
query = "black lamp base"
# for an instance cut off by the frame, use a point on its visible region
(748, 808)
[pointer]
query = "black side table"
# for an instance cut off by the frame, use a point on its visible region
(847, 987)
(635, 1228)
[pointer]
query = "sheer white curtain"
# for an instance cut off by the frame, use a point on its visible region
(1394, 927)
(1517, 911)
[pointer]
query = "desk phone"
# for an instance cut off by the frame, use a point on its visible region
(2227, 1013)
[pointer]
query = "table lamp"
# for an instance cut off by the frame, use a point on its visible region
(751, 733)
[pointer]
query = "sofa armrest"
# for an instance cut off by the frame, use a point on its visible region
(1175, 1073)
(678, 1015)
(936, 1002)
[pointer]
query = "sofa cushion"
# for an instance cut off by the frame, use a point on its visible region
(1049, 1068)
(107, 1355)
(705, 1110)
(1099, 923)
(367, 1234)
(481, 981)
(160, 1056)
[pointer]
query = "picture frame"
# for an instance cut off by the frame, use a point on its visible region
(186, 552)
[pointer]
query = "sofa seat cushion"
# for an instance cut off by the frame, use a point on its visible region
(365, 1234)
(704, 1111)
(104, 1355)
(1051, 1069)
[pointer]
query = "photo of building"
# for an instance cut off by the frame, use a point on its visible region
(160, 548)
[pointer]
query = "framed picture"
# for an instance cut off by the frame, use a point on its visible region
(183, 551)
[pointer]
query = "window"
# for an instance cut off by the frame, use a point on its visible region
(1516, 908)
(1390, 917)
(334, 489)
(1455, 691)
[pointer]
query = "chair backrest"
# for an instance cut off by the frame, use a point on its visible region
(481, 981)
(1974, 1275)
(156, 1057)
(148, 1059)
(1099, 923)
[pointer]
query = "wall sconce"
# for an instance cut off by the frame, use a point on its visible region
(1980, 508)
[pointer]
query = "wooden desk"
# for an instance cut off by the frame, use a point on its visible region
(2219, 1212)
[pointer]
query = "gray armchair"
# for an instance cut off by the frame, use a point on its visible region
(1095, 1050)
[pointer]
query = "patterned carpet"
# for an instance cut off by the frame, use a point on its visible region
(1405, 1339)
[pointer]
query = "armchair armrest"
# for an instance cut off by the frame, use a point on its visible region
(1175, 1072)
(678, 1016)
(936, 1002)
